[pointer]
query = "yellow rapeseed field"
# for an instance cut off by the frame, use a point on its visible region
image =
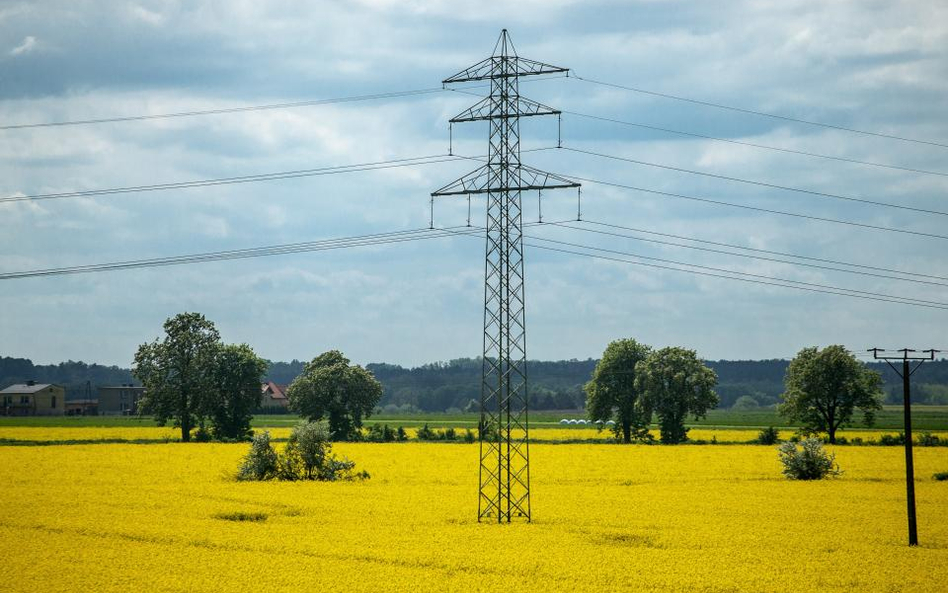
(124, 517)
(542, 434)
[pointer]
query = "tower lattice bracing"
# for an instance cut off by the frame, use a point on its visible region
(504, 490)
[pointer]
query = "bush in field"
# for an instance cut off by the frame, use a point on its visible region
(309, 443)
(426, 434)
(400, 435)
(768, 436)
(261, 461)
(891, 440)
(941, 476)
(809, 462)
(469, 436)
(307, 456)
(381, 433)
(927, 439)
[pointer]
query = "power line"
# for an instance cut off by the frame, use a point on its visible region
(274, 176)
(757, 183)
(745, 255)
(760, 209)
(743, 206)
(252, 252)
(308, 103)
(760, 113)
(739, 142)
(756, 250)
(854, 292)
(755, 145)
(713, 275)
(331, 170)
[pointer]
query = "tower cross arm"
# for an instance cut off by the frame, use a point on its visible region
(489, 68)
(521, 107)
(524, 178)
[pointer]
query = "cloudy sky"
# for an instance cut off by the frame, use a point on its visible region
(873, 66)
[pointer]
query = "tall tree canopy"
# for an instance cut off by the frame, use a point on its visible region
(611, 394)
(177, 372)
(675, 383)
(823, 388)
(237, 376)
(331, 388)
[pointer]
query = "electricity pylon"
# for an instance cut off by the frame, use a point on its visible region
(504, 490)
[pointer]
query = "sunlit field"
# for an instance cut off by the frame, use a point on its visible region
(149, 433)
(126, 517)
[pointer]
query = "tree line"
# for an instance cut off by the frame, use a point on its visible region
(632, 383)
(451, 386)
(195, 381)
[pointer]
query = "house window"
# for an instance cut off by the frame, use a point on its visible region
(53, 405)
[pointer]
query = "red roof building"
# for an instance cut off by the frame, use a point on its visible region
(273, 395)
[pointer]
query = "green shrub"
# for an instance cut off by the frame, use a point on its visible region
(400, 435)
(381, 433)
(307, 456)
(447, 434)
(927, 439)
(768, 436)
(309, 441)
(261, 461)
(469, 436)
(809, 462)
(941, 476)
(426, 434)
(891, 440)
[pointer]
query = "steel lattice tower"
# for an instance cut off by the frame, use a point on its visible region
(504, 492)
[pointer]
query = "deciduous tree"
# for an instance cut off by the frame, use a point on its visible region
(177, 372)
(331, 388)
(823, 388)
(612, 393)
(238, 372)
(675, 384)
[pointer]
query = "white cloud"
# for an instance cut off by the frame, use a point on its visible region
(29, 43)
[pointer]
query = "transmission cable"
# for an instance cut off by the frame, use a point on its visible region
(743, 206)
(767, 251)
(309, 103)
(274, 176)
(755, 145)
(938, 304)
(760, 113)
(762, 280)
(745, 255)
(253, 252)
(759, 209)
(332, 170)
(722, 276)
(757, 183)
(738, 142)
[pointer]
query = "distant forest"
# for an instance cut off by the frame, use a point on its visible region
(455, 385)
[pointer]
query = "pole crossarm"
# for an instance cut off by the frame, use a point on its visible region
(483, 180)
(520, 107)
